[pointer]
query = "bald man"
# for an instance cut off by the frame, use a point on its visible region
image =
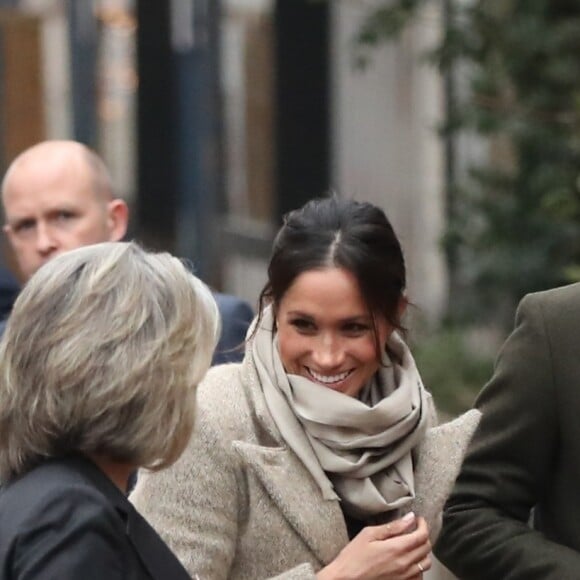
(58, 196)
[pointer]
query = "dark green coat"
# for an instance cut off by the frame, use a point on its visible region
(525, 455)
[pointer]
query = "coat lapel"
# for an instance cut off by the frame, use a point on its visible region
(297, 496)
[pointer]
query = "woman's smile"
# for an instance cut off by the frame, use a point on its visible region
(326, 332)
(329, 380)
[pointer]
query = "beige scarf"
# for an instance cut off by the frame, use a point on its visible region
(357, 449)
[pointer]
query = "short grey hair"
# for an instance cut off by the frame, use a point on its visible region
(101, 355)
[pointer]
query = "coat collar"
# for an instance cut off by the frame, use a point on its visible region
(272, 461)
(151, 550)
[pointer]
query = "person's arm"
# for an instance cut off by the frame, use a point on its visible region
(508, 468)
(75, 535)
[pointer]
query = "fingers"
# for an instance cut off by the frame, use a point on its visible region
(401, 548)
(418, 541)
(413, 531)
(414, 550)
(403, 525)
(419, 559)
(417, 569)
(423, 565)
(422, 530)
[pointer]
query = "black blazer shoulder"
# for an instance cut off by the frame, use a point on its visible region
(65, 520)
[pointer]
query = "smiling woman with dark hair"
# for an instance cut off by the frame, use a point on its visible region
(303, 460)
(98, 368)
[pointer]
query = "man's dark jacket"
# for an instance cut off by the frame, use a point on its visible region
(524, 460)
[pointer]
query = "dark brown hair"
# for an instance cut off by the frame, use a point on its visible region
(342, 233)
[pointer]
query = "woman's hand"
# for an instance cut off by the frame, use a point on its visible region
(398, 550)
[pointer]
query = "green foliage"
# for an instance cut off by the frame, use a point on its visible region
(385, 22)
(452, 370)
(514, 222)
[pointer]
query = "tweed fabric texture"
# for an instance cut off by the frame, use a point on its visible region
(239, 503)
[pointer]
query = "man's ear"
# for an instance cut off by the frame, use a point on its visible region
(117, 219)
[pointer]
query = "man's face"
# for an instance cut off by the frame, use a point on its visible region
(47, 214)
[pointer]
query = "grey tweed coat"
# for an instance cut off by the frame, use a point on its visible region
(240, 504)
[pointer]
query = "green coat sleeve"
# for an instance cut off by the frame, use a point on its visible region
(509, 467)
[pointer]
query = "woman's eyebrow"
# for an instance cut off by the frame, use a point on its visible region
(299, 313)
(357, 318)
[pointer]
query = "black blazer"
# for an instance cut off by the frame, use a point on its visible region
(66, 520)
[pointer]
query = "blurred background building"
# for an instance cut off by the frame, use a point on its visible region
(216, 118)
